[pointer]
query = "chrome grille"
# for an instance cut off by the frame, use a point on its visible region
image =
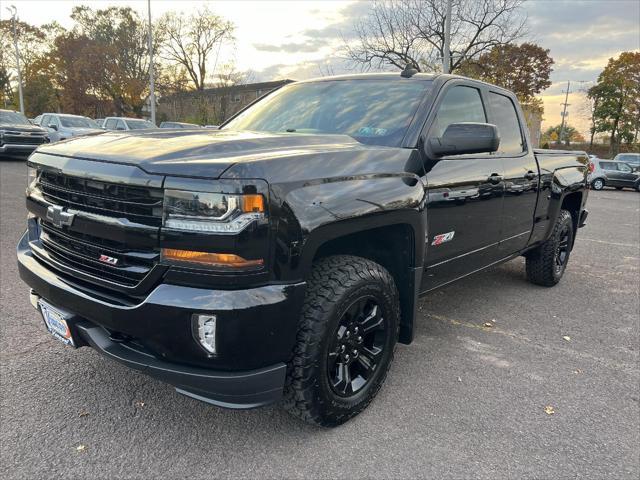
(137, 204)
(83, 252)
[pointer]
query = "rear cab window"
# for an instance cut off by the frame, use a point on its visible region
(505, 117)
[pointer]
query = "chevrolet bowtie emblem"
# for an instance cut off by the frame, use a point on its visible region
(59, 218)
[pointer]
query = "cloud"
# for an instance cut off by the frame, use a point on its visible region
(307, 46)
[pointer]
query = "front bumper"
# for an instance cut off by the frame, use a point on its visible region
(17, 149)
(257, 329)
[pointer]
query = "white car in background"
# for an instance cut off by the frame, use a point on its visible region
(61, 126)
(125, 123)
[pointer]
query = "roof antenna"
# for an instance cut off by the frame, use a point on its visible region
(409, 71)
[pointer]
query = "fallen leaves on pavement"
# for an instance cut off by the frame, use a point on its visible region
(549, 410)
(81, 448)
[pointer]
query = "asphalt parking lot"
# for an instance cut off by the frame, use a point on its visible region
(463, 401)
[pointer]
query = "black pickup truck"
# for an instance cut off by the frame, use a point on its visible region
(281, 257)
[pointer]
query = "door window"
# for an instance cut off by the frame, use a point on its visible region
(504, 116)
(623, 167)
(120, 125)
(55, 121)
(45, 121)
(460, 104)
(110, 124)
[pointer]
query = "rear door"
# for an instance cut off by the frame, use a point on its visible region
(520, 173)
(464, 200)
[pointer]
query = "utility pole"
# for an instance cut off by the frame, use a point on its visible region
(564, 112)
(152, 94)
(14, 18)
(446, 54)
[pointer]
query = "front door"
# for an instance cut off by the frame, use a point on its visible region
(464, 198)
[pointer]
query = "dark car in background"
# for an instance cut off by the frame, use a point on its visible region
(632, 159)
(178, 125)
(18, 136)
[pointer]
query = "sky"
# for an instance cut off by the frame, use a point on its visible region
(300, 39)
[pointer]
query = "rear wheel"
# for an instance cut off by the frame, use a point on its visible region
(546, 264)
(345, 343)
(598, 184)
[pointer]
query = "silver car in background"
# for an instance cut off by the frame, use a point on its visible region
(61, 126)
(126, 123)
(609, 173)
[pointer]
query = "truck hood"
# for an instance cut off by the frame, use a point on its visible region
(202, 153)
(22, 128)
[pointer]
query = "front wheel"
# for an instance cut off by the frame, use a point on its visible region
(546, 263)
(598, 184)
(345, 342)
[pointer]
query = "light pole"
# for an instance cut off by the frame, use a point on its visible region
(14, 17)
(446, 54)
(564, 112)
(152, 94)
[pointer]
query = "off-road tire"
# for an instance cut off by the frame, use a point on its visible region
(542, 268)
(598, 184)
(637, 186)
(334, 284)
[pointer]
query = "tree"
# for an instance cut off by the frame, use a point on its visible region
(523, 69)
(116, 38)
(401, 32)
(571, 134)
(193, 40)
(616, 98)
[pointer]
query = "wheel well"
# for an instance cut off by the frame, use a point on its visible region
(572, 203)
(392, 247)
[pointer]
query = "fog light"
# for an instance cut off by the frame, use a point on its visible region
(204, 327)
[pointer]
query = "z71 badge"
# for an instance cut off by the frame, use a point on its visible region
(442, 238)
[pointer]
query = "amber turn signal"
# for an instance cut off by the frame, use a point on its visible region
(209, 259)
(253, 203)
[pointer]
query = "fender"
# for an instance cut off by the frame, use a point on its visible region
(319, 213)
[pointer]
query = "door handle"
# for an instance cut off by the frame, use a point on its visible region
(530, 175)
(495, 178)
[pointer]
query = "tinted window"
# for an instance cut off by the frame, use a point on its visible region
(139, 124)
(376, 112)
(607, 166)
(77, 122)
(623, 167)
(110, 124)
(504, 116)
(13, 118)
(460, 104)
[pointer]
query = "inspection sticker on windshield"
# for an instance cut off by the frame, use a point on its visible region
(442, 238)
(372, 132)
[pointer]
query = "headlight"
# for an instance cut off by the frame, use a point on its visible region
(212, 212)
(32, 175)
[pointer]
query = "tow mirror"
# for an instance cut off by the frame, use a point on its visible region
(465, 137)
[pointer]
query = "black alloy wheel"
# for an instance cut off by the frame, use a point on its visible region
(357, 347)
(562, 248)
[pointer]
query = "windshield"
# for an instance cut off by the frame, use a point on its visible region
(13, 118)
(78, 122)
(139, 124)
(375, 111)
(629, 158)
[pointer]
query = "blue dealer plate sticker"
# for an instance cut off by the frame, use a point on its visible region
(56, 322)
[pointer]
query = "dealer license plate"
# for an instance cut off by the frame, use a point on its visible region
(56, 322)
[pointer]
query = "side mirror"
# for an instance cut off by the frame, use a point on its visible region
(53, 127)
(465, 137)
